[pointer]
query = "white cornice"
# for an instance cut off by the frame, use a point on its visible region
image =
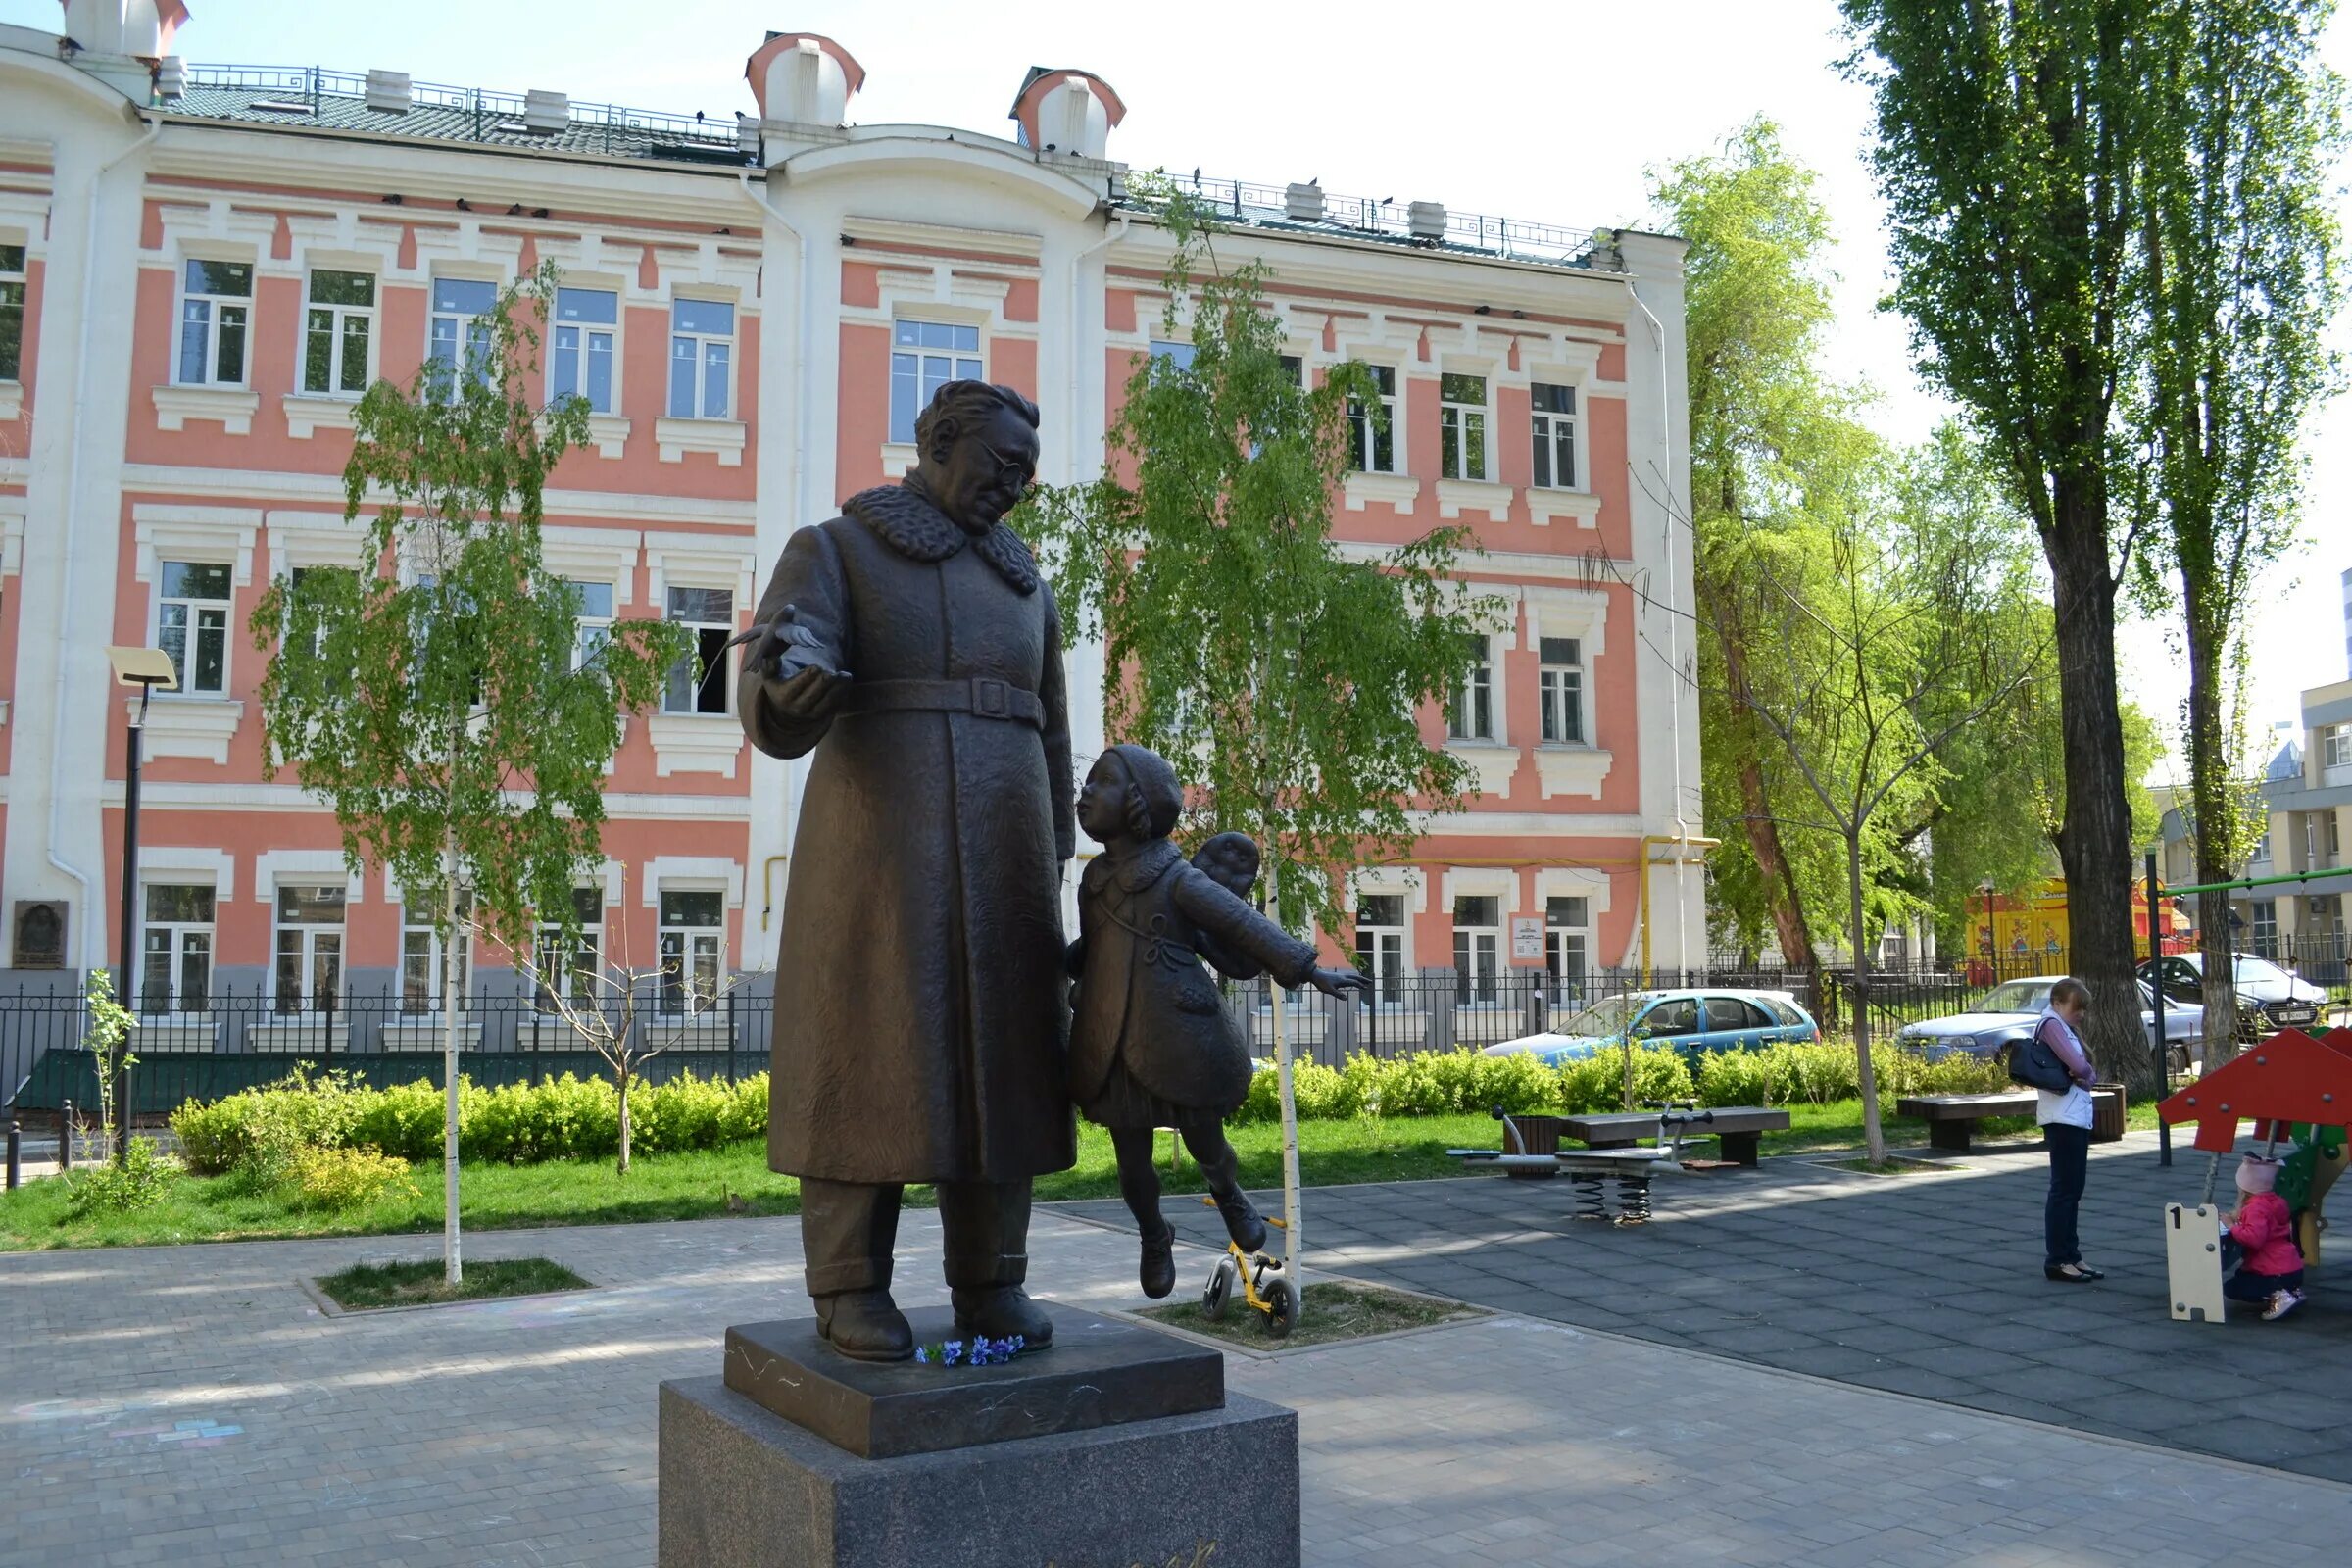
(292, 799)
(271, 486)
(1015, 249)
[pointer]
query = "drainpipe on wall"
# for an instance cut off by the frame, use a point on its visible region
(94, 950)
(1674, 654)
(1078, 319)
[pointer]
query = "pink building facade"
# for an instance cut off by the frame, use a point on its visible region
(200, 268)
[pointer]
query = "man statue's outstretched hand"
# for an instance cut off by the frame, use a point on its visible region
(1331, 982)
(800, 675)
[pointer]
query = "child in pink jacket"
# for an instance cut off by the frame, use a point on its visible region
(2271, 1272)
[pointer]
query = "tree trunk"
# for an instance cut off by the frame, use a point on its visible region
(1763, 829)
(2215, 809)
(621, 1084)
(1293, 1233)
(2094, 835)
(452, 1267)
(1865, 1078)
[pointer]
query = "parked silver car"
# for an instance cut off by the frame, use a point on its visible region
(2007, 1013)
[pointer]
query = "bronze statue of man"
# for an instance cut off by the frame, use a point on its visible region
(920, 1023)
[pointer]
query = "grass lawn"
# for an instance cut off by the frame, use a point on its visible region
(366, 1286)
(714, 1183)
(1332, 1311)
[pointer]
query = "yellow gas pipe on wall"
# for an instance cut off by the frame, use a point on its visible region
(1689, 841)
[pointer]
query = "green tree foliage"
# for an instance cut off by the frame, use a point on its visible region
(2240, 275)
(1775, 447)
(2009, 140)
(1285, 675)
(430, 694)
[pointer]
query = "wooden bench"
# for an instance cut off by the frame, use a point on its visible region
(1952, 1118)
(1741, 1127)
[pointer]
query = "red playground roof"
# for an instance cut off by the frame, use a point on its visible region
(2288, 1077)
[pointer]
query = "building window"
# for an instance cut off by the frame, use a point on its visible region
(176, 949)
(692, 932)
(12, 310)
(925, 355)
(1555, 435)
(1379, 943)
(1179, 355)
(574, 972)
(585, 322)
(1561, 691)
(462, 332)
(1371, 448)
(1477, 945)
(2261, 845)
(216, 298)
(310, 947)
(338, 330)
(1567, 945)
(2335, 746)
(2265, 928)
(1462, 426)
(698, 683)
(1294, 367)
(701, 346)
(1470, 714)
(593, 622)
(422, 953)
(191, 625)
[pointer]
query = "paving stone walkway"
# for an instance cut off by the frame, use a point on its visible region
(1928, 1285)
(192, 1407)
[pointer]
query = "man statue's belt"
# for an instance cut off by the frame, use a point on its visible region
(981, 697)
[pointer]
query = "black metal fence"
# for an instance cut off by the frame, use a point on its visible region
(238, 1041)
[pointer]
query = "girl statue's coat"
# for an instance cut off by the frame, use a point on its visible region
(1151, 1044)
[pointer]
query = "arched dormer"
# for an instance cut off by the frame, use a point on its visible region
(1066, 111)
(803, 77)
(140, 27)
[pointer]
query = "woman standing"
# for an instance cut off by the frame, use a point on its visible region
(2065, 1118)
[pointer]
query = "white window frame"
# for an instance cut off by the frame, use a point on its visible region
(702, 631)
(16, 283)
(470, 335)
(1362, 439)
(217, 306)
(673, 992)
(1475, 681)
(1561, 695)
(1384, 963)
(581, 351)
(194, 608)
(177, 934)
(962, 365)
(1464, 429)
(1479, 984)
(2335, 746)
(586, 625)
(1566, 979)
(419, 923)
(581, 966)
(339, 321)
(1546, 426)
(703, 342)
(310, 938)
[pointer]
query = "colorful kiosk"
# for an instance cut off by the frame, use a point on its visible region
(2297, 1091)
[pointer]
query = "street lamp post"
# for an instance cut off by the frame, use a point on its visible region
(145, 668)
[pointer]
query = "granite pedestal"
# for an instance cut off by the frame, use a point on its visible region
(1116, 1447)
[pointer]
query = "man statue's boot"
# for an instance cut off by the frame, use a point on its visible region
(987, 1226)
(847, 1230)
(864, 1326)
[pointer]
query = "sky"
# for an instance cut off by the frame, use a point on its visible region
(1553, 112)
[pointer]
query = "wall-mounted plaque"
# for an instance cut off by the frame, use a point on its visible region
(40, 934)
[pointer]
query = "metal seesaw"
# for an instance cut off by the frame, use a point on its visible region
(1601, 1174)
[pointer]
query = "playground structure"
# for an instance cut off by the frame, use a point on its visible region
(2297, 1091)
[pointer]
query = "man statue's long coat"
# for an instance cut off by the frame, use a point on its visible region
(920, 1023)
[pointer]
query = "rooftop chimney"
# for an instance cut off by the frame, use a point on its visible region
(1426, 221)
(388, 92)
(1302, 204)
(546, 113)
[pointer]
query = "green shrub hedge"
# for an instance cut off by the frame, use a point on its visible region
(263, 1131)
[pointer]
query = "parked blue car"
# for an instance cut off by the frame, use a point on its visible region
(1692, 1020)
